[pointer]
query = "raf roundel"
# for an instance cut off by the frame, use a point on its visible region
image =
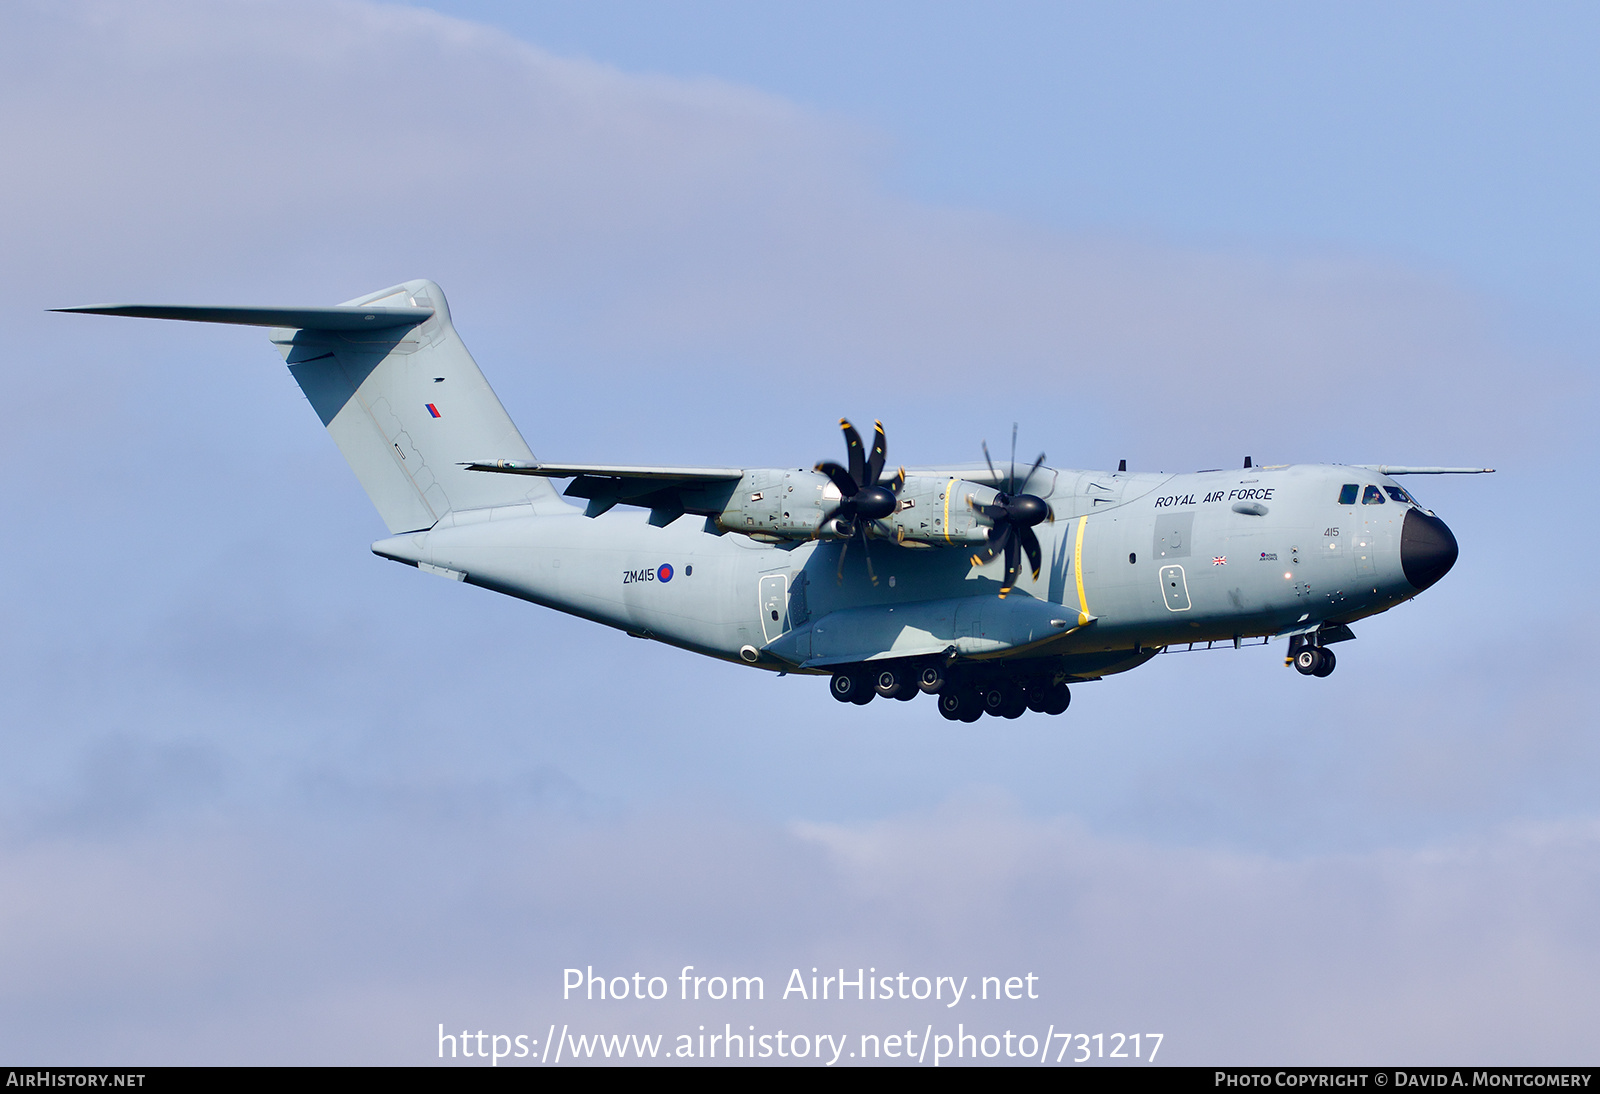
(664, 572)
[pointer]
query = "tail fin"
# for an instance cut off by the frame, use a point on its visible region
(401, 396)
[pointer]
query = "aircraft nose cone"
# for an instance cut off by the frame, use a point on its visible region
(1427, 549)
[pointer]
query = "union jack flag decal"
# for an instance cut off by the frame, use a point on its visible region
(1220, 560)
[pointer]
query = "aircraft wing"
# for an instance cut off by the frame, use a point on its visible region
(667, 491)
(1391, 469)
(616, 471)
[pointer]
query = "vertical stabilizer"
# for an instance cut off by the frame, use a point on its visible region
(407, 406)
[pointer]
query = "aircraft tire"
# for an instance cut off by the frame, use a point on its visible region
(894, 684)
(907, 693)
(864, 692)
(1307, 660)
(973, 711)
(932, 679)
(997, 699)
(1039, 693)
(954, 704)
(1060, 699)
(845, 687)
(1325, 662)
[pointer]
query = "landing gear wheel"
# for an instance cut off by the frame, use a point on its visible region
(1059, 699)
(849, 688)
(889, 683)
(1016, 704)
(1327, 662)
(931, 679)
(994, 700)
(1039, 696)
(1307, 660)
(960, 705)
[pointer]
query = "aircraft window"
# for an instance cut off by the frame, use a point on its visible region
(1398, 494)
(1373, 496)
(1348, 492)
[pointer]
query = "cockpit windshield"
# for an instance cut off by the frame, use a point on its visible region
(1372, 496)
(1399, 495)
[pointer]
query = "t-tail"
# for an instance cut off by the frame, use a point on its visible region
(400, 395)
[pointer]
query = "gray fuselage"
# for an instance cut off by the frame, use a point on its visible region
(1134, 562)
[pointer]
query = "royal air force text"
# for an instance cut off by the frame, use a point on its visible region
(1251, 493)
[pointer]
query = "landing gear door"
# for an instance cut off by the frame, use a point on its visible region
(773, 593)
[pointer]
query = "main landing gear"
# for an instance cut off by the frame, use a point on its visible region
(960, 700)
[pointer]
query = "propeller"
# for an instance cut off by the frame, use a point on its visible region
(863, 500)
(1013, 517)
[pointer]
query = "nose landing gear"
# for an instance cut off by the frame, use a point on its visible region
(1310, 660)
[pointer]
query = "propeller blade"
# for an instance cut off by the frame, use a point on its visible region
(990, 462)
(852, 442)
(996, 513)
(839, 477)
(880, 451)
(897, 482)
(866, 553)
(1013, 565)
(1011, 483)
(1032, 470)
(998, 538)
(1030, 544)
(844, 545)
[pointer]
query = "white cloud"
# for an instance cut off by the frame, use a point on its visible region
(640, 223)
(347, 936)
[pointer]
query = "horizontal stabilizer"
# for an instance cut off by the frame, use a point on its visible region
(399, 394)
(332, 318)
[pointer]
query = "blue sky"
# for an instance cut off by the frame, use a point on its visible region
(268, 798)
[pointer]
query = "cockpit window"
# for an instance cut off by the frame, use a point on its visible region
(1373, 496)
(1348, 492)
(1399, 495)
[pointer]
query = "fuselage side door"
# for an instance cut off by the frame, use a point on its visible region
(1174, 589)
(773, 594)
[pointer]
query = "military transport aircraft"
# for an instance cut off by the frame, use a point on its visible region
(992, 589)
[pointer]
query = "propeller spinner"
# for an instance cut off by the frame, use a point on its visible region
(863, 500)
(1013, 517)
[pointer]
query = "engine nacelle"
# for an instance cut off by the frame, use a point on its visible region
(780, 504)
(938, 512)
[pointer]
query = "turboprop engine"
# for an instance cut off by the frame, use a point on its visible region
(928, 511)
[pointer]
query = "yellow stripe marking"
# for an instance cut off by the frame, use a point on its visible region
(948, 490)
(1077, 570)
